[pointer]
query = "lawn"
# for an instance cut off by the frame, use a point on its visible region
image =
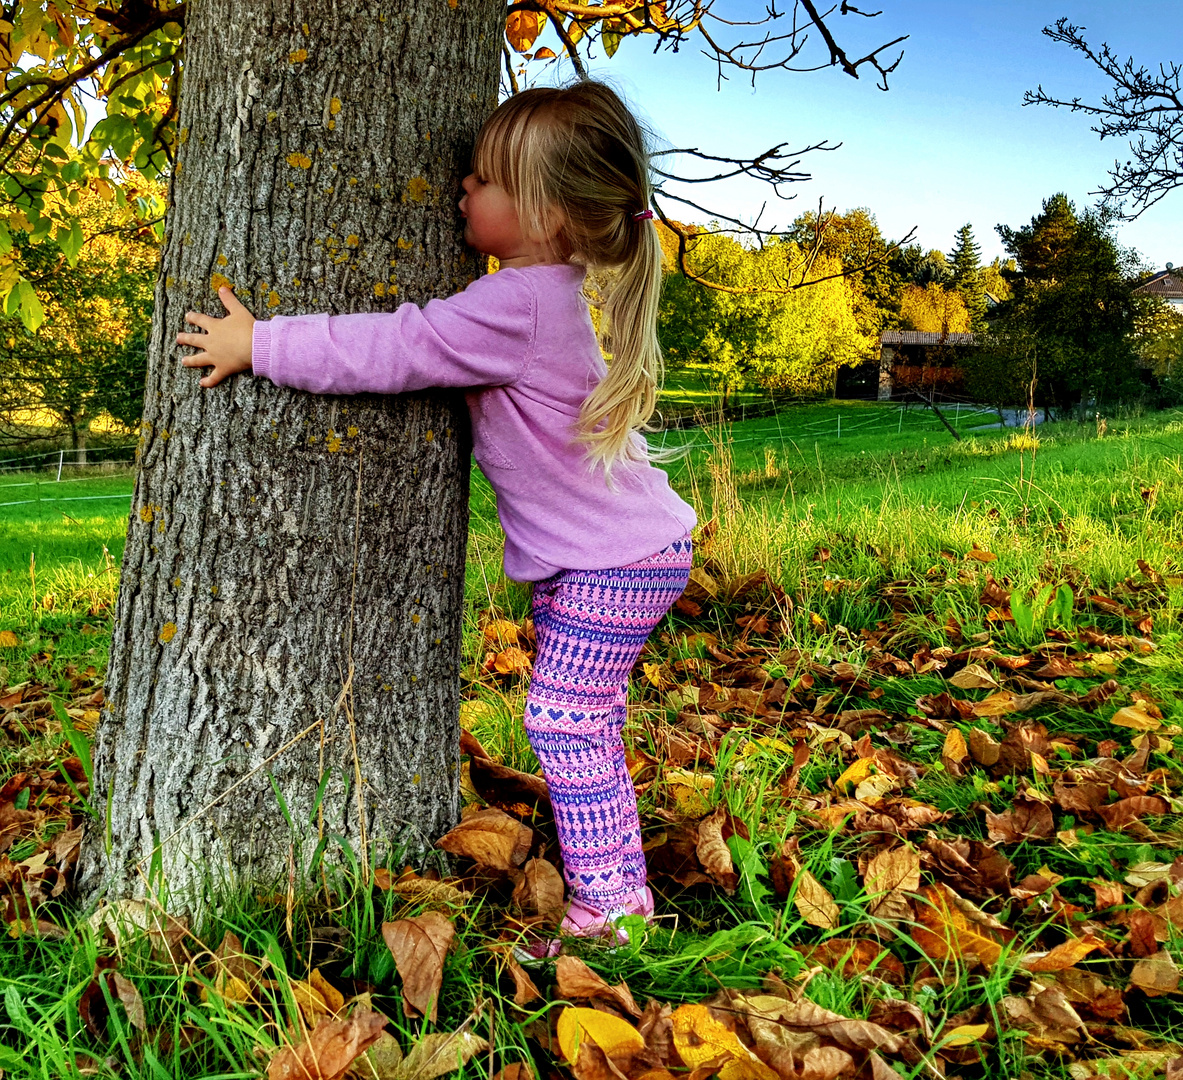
(909, 752)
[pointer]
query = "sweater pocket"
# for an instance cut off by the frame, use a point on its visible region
(484, 443)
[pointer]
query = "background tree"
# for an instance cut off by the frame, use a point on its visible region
(994, 278)
(87, 356)
(1071, 294)
(755, 330)
(1143, 106)
(1158, 333)
(933, 309)
(965, 266)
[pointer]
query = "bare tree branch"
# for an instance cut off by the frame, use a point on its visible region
(1144, 106)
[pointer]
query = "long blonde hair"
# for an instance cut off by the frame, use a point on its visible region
(579, 151)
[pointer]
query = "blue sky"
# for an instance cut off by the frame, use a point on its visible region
(950, 142)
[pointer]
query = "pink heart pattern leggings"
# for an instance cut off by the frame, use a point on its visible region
(591, 626)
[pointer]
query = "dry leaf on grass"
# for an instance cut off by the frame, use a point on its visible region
(419, 946)
(974, 677)
(950, 926)
(1046, 1016)
(713, 853)
(330, 1048)
(814, 902)
(1065, 955)
(890, 877)
(854, 1035)
(703, 1042)
(1156, 975)
(1023, 821)
(574, 980)
(617, 1038)
(491, 838)
(439, 1054)
(539, 891)
(1136, 716)
(524, 989)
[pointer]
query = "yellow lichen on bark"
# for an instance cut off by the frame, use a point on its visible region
(273, 299)
(168, 632)
(298, 56)
(379, 288)
(335, 106)
(216, 281)
(418, 189)
(299, 161)
(404, 245)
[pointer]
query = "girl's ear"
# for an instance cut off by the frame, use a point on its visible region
(553, 224)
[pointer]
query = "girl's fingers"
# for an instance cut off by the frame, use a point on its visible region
(197, 360)
(229, 301)
(196, 340)
(197, 319)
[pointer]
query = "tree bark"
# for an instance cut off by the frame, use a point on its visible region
(289, 612)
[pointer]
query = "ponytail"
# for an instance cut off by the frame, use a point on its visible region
(626, 398)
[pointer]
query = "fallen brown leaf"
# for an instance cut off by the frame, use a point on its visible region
(814, 902)
(491, 838)
(419, 946)
(575, 980)
(330, 1048)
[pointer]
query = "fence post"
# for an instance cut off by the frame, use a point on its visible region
(900, 426)
(839, 426)
(61, 458)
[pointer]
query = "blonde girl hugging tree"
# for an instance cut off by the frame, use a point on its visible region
(560, 184)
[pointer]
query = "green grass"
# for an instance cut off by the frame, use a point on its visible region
(834, 519)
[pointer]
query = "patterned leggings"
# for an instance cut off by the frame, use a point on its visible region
(591, 626)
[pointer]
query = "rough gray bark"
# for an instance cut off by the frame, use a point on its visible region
(279, 542)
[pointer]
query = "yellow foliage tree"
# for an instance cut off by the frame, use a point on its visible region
(933, 309)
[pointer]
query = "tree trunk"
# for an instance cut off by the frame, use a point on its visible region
(290, 606)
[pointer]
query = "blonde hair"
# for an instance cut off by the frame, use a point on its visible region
(578, 151)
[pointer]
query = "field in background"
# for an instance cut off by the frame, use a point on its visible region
(852, 475)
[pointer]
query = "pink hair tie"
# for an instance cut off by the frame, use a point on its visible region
(643, 215)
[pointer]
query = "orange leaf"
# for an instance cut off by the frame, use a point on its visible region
(1065, 955)
(522, 28)
(950, 926)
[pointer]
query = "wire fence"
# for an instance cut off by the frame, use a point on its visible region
(82, 457)
(961, 415)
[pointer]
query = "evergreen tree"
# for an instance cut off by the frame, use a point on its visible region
(965, 262)
(1072, 299)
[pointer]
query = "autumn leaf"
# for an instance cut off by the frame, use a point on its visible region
(419, 946)
(539, 891)
(1065, 955)
(575, 980)
(1136, 716)
(1156, 975)
(951, 927)
(974, 677)
(330, 1048)
(522, 29)
(1024, 821)
(491, 838)
(438, 1054)
(617, 1038)
(814, 902)
(713, 853)
(890, 878)
(8, 640)
(703, 1042)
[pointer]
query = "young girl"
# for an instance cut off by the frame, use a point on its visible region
(560, 183)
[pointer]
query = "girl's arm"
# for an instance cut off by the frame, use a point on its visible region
(482, 336)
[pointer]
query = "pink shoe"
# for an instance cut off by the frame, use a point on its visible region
(584, 921)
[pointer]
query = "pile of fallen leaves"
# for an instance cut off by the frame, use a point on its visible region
(1063, 758)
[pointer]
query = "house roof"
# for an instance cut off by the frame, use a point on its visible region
(923, 337)
(1166, 283)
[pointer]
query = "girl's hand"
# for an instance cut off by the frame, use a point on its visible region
(226, 343)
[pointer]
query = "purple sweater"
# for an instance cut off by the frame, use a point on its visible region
(522, 342)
